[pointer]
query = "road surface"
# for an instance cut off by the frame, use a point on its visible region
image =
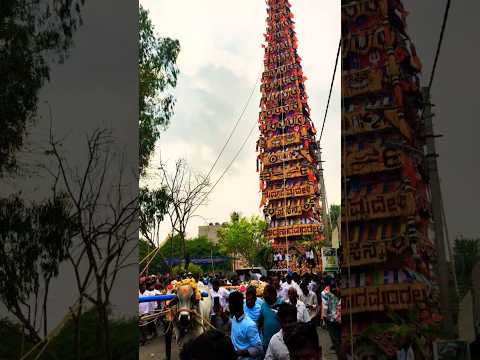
(155, 349)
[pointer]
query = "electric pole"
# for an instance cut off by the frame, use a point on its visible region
(323, 196)
(443, 272)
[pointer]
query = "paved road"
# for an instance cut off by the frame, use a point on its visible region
(326, 344)
(155, 349)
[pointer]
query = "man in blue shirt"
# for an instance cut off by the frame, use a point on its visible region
(269, 321)
(252, 304)
(244, 332)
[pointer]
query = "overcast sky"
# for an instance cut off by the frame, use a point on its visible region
(96, 87)
(455, 95)
(220, 60)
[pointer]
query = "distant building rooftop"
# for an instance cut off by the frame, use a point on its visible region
(210, 231)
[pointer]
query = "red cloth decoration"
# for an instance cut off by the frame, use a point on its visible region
(262, 202)
(398, 95)
(409, 172)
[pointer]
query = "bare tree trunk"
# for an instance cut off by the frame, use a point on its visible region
(32, 333)
(103, 325)
(77, 319)
(103, 314)
(45, 298)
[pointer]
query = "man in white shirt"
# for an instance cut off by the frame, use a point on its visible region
(143, 307)
(277, 350)
(151, 291)
(275, 282)
(148, 329)
(313, 285)
(309, 298)
(405, 352)
(221, 293)
(289, 283)
(302, 313)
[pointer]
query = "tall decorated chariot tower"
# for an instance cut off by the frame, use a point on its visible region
(389, 295)
(289, 160)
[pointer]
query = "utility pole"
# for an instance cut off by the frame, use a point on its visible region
(437, 215)
(323, 195)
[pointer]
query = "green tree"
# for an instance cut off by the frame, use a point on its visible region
(35, 240)
(200, 247)
(197, 247)
(60, 345)
(264, 257)
(34, 35)
(466, 254)
(157, 265)
(157, 74)
(153, 207)
(194, 269)
(334, 214)
(244, 236)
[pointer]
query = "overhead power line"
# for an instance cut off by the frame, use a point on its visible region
(440, 40)
(228, 166)
(331, 88)
(253, 127)
(235, 126)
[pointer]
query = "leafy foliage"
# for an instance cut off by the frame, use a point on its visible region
(334, 214)
(33, 34)
(124, 339)
(197, 247)
(157, 74)
(125, 336)
(245, 236)
(408, 325)
(153, 207)
(180, 269)
(34, 241)
(466, 254)
(11, 335)
(200, 247)
(264, 257)
(157, 265)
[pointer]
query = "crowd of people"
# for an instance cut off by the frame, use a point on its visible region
(268, 325)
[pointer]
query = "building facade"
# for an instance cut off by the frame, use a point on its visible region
(210, 231)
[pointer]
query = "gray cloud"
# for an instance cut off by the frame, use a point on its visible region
(454, 94)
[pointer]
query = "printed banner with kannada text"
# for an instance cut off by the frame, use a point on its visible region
(293, 230)
(362, 82)
(379, 206)
(373, 158)
(379, 298)
(281, 156)
(359, 122)
(283, 140)
(367, 8)
(299, 190)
